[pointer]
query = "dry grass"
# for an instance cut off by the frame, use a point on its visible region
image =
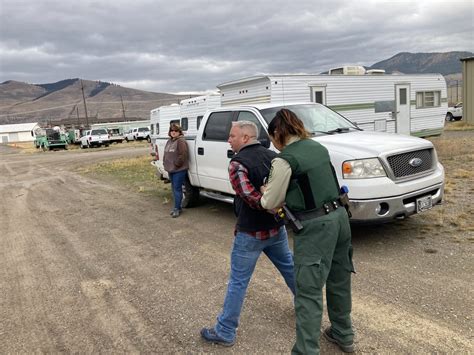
(454, 217)
(29, 148)
(458, 126)
(25, 147)
(136, 173)
(454, 148)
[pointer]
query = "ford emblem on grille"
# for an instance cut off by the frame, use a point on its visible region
(415, 162)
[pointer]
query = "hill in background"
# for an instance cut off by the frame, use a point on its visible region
(412, 63)
(62, 102)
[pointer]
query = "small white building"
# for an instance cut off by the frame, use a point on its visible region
(20, 132)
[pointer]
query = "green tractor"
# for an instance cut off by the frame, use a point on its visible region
(49, 139)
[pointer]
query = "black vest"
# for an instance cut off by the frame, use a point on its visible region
(257, 159)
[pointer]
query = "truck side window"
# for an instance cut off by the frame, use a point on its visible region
(262, 134)
(218, 126)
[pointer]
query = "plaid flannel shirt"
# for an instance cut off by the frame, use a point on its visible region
(242, 186)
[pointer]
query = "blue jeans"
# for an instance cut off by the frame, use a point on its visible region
(177, 180)
(245, 253)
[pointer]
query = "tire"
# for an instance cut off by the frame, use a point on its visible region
(126, 139)
(449, 116)
(148, 139)
(190, 195)
(43, 147)
(458, 118)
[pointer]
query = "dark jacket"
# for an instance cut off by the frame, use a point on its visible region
(257, 159)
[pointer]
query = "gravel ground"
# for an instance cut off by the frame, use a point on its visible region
(88, 266)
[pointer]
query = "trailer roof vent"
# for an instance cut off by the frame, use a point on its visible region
(348, 70)
(375, 72)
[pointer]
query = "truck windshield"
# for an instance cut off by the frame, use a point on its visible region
(318, 119)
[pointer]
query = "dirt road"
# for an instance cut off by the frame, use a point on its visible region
(88, 266)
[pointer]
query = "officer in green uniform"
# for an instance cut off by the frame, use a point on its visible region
(303, 179)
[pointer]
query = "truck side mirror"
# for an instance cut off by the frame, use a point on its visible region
(265, 142)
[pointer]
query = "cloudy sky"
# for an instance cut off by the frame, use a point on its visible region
(193, 45)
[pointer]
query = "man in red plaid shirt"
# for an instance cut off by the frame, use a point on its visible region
(256, 230)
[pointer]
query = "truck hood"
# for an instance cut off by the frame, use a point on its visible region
(362, 144)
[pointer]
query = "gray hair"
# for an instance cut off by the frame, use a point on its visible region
(248, 126)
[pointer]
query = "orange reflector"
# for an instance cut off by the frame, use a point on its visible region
(347, 168)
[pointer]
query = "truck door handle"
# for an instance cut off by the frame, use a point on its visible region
(230, 153)
(200, 151)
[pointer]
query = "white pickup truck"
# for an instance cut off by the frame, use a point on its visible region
(389, 176)
(95, 138)
(454, 113)
(137, 134)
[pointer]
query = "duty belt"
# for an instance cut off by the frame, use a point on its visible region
(327, 208)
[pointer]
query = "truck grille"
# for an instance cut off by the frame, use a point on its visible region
(411, 163)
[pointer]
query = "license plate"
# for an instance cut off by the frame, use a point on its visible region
(423, 204)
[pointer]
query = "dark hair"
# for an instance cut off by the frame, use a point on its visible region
(175, 127)
(285, 124)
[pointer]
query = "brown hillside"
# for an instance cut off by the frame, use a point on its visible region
(62, 101)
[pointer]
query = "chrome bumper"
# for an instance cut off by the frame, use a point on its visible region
(397, 207)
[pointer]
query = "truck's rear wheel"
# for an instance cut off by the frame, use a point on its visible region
(190, 195)
(449, 116)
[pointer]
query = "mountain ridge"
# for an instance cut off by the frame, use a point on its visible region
(62, 101)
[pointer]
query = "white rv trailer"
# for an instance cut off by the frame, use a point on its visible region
(413, 104)
(166, 116)
(192, 110)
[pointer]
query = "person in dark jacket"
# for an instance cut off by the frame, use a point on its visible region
(256, 230)
(175, 162)
(302, 177)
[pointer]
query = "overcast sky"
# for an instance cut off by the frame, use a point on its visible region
(192, 45)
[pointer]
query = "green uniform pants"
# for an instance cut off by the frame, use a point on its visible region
(323, 255)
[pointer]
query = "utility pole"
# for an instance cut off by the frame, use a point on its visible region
(123, 108)
(85, 106)
(77, 112)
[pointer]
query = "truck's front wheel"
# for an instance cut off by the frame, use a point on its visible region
(190, 195)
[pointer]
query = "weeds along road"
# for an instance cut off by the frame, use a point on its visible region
(88, 266)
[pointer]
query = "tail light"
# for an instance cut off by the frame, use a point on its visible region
(157, 156)
(90, 138)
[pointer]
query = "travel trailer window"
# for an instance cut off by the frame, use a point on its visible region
(157, 128)
(198, 121)
(218, 126)
(384, 106)
(426, 99)
(318, 97)
(184, 123)
(175, 122)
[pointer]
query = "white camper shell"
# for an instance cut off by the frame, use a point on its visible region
(192, 110)
(413, 104)
(166, 116)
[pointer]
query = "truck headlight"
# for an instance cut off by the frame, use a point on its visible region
(362, 169)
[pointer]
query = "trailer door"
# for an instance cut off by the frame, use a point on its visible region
(402, 109)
